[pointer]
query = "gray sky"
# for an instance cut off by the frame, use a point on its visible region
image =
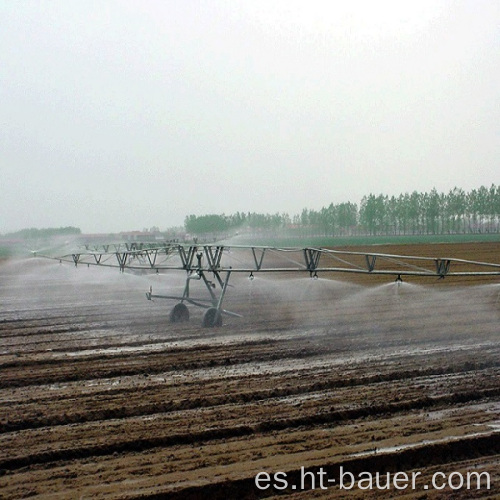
(120, 115)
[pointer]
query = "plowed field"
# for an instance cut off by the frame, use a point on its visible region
(102, 397)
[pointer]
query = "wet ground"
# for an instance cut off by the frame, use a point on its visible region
(101, 397)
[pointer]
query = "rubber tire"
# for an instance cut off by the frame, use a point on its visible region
(212, 318)
(179, 314)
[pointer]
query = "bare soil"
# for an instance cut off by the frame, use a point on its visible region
(102, 397)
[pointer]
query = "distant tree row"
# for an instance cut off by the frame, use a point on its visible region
(431, 212)
(34, 233)
(226, 223)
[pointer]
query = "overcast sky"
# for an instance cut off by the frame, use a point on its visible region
(119, 115)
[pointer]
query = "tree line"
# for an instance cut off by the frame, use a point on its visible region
(457, 211)
(34, 233)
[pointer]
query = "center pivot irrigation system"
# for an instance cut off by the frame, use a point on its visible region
(218, 262)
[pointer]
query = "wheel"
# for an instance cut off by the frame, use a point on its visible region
(212, 318)
(179, 314)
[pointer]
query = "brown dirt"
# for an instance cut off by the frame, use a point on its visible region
(101, 397)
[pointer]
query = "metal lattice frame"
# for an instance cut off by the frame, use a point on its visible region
(252, 259)
(198, 261)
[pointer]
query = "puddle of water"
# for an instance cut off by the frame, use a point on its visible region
(495, 427)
